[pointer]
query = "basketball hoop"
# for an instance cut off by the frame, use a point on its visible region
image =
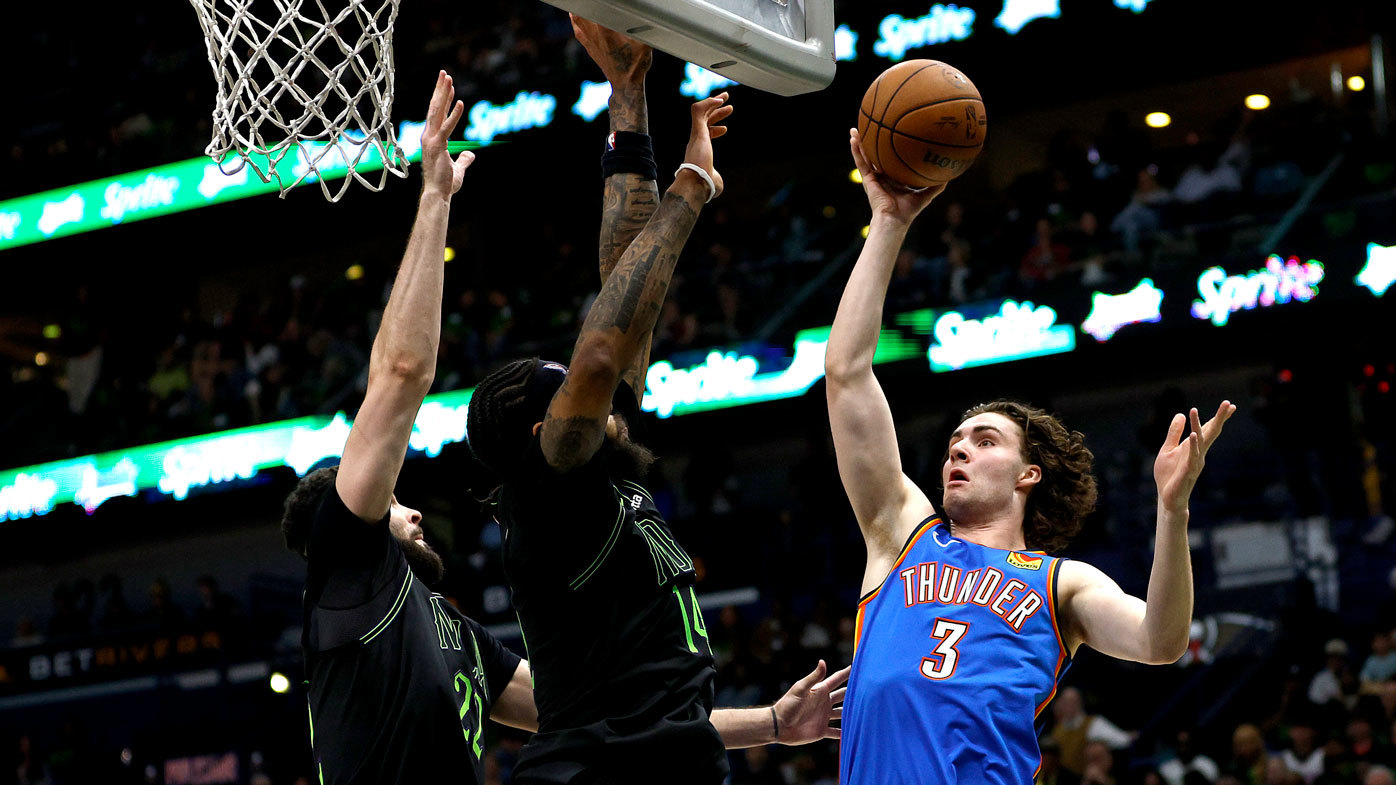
(304, 87)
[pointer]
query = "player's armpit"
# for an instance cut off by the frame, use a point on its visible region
(515, 706)
(377, 445)
(1098, 613)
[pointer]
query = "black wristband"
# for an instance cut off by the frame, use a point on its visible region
(629, 153)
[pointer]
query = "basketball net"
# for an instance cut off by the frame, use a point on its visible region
(305, 92)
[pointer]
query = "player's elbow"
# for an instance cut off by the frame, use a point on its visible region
(413, 372)
(1167, 652)
(596, 364)
(841, 371)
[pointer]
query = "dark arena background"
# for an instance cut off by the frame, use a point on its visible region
(1214, 184)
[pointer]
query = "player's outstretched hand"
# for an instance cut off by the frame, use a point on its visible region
(1180, 459)
(805, 712)
(886, 196)
(624, 60)
(441, 175)
(708, 115)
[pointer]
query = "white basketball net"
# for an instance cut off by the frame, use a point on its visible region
(304, 91)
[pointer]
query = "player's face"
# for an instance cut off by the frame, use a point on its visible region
(406, 524)
(984, 467)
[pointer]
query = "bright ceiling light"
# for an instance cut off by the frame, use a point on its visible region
(1357, 84)
(1158, 120)
(1257, 102)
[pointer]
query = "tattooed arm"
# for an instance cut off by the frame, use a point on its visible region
(618, 327)
(630, 199)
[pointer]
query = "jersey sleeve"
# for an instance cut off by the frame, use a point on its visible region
(351, 560)
(495, 659)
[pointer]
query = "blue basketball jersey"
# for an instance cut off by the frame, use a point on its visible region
(957, 652)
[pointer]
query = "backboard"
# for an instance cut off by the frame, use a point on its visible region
(781, 46)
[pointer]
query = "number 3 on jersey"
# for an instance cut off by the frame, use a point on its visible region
(944, 657)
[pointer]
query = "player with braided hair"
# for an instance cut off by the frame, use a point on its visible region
(623, 675)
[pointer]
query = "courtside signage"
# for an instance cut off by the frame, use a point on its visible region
(942, 24)
(1280, 281)
(1110, 312)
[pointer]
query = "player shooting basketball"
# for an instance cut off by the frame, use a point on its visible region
(966, 624)
(604, 592)
(400, 680)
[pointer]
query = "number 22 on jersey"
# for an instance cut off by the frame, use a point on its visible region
(944, 658)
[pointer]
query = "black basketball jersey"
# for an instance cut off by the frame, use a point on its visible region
(401, 682)
(623, 675)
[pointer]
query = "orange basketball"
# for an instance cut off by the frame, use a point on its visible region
(922, 123)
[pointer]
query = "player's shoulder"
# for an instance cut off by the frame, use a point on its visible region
(1074, 575)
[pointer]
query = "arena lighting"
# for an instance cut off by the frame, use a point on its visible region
(279, 683)
(1357, 84)
(942, 24)
(53, 332)
(1380, 270)
(355, 272)
(1111, 312)
(855, 176)
(1280, 281)
(527, 110)
(1017, 13)
(1137, 6)
(699, 83)
(41, 359)
(1258, 102)
(1016, 331)
(1158, 120)
(864, 231)
(450, 254)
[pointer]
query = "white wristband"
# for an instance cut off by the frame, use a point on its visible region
(707, 178)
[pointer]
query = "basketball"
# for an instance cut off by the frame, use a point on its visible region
(922, 123)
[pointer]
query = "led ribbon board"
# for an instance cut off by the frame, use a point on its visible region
(1380, 270)
(1280, 281)
(1110, 312)
(176, 467)
(1014, 332)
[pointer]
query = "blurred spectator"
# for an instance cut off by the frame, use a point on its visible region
(26, 634)
(1302, 756)
(1099, 766)
(1074, 729)
(1381, 663)
(112, 611)
(1327, 683)
(1051, 771)
(1186, 760)
(1046, 259)
(1249, 760)
(29, 770)
(215, 608)
(759, 769)
(68, 619)
(1363, 746)
(1379, 775)
(164, 615)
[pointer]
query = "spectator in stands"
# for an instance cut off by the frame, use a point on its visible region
(1051, 771)
(1379, 775)
(1302, 756)
(1381, 663)
(26, 634)
(29, 770)
(759, 769)
(1249, 760)
(68, 619)
(1327, 684)
(1099, 765)
(112, 611)
(1073, 729)
(215, 608)
(1187, 760)
(1364, 747)
(1046, 259)
(1141, 216)
(164, 615)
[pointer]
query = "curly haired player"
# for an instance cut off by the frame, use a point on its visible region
(966, 623)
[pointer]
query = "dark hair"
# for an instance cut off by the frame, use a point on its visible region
(301, 505)
(1058, 503)
(496, 411)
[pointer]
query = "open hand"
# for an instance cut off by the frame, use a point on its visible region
(1180, 459)
(803, 714)
(707, 116)
(624, 60)
(887, 196)
(440, 174)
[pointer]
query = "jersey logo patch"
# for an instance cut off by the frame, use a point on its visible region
(1025, 562)
(447, 628)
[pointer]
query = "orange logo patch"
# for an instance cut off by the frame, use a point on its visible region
(1025, 562)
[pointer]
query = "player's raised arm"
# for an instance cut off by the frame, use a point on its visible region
(622, 318)
(865, 439)
(1098, 613)
(631, 193)
(403, 360)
